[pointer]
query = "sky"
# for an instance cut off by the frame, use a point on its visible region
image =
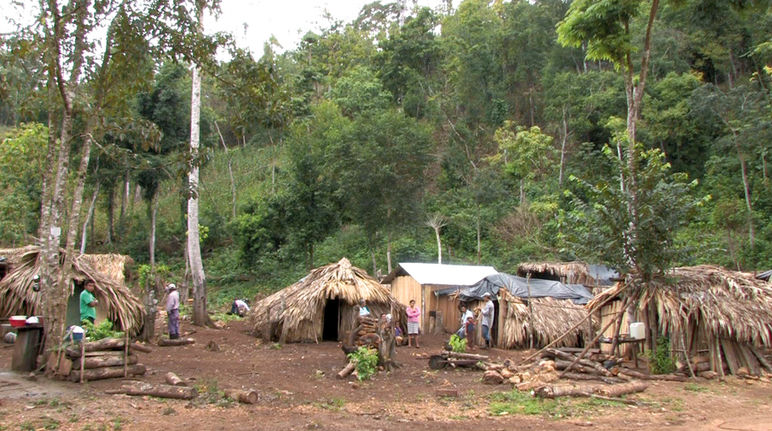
(252, 22)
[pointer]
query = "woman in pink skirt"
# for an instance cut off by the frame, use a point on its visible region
(413, 315)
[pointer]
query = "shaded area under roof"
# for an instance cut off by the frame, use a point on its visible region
(522, 288)
(442, 274)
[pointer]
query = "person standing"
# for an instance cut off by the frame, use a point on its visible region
(88, 302)
(173, 311)
(413, 326)
(488, 313)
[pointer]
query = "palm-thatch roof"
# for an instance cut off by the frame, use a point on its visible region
(106, 270)
(296, 312)
(566, 272)
(542, 321)
(706, 307)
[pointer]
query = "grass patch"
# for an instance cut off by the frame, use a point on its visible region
(694, 387)
(522, 403)
(276, 346)
(209, 393)
(333, 404)
(118, 423)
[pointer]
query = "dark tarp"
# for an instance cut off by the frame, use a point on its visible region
(520, 286)
(765, 275)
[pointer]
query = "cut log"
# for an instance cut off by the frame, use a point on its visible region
(243, 396)
(174, 380)
(107, 373)
(573, 358)
(165, 342)
(621, 389)
(161, 391)
(562, 365)
(580, 376)
(628, 373)
(141, 348)
(348, 369)
(465, 356)
(92, 346)
(90, 362)
(562, 390)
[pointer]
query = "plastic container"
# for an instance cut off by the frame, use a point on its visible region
(637, 330)
(77, 333)
(18, 321)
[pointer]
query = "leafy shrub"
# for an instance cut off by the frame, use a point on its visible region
(660, 360)
(100, 331)
(366, 360)
(457, 344)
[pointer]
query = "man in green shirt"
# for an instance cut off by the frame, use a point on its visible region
(88, 302)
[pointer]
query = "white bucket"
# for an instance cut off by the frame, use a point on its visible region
(637, 331)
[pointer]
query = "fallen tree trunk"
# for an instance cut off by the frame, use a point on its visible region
(628, 373)
(141, 348)
(161, 391)
(466, 356)
(90, 362)
(107, 373)
(174, 380)
(164, 342)
(580, 376)
(621, 389)
(562, 365)
(575, 360)
(562, 390)
(348, 369)
(74, 351)
(246, 397)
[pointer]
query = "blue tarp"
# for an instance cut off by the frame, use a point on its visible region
(522, 288)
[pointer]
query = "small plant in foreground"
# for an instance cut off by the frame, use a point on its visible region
(660, 360)
(457, 344)
(366, 360)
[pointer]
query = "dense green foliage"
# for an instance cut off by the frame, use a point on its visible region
(457, 344)
(504, 118)
(366, 360)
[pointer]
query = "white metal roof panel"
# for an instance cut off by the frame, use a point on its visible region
(443, 274)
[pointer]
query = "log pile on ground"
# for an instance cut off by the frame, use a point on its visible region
(455, 359)
(560, 372)
(95, 360)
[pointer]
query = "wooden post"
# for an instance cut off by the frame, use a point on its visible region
(126, 356)
(82, 354)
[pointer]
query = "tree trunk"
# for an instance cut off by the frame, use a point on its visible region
(200, 316)
(153, 210)
(90, 362)
(388, 253)
(110, 215)
(166, 342)
(479, 236)
(108, 373)
(160, 391)
(230, 171)
(124, 203)
(174, 379)
(563, 142)
(89, 216)
(746, 190)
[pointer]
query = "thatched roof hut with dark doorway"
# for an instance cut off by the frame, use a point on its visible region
(18, 294)
(321, 306)
(703, 310)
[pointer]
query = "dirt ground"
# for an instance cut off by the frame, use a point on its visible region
(299, 391)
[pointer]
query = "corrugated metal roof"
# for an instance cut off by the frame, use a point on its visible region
(443, 274)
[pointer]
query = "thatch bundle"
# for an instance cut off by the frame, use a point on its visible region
(545, 320)
(106, 270)
(705, 308)
(296, 313)
(565, 272)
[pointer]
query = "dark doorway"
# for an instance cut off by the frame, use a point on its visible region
(495, 328)
(331, 320)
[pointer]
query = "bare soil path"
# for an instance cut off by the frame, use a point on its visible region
(299, 391)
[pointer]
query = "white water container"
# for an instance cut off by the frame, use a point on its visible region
(637, 331)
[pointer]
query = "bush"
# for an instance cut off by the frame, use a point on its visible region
(366, 360)
(100, 331)
(660, 360)
(457, 344)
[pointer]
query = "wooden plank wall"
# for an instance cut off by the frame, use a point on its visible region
(607, 313)
(404, 288)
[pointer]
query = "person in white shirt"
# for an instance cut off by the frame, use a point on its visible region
(173, 311)
(488, 313)
(465, 329)
(239, 307)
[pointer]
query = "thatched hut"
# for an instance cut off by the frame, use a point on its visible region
(321, 306)
(530, 312)
(116, 302)
(703, 310)
(594, 277)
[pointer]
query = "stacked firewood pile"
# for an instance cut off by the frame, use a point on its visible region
(95, 360)
(366, 334)
(560, 372)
